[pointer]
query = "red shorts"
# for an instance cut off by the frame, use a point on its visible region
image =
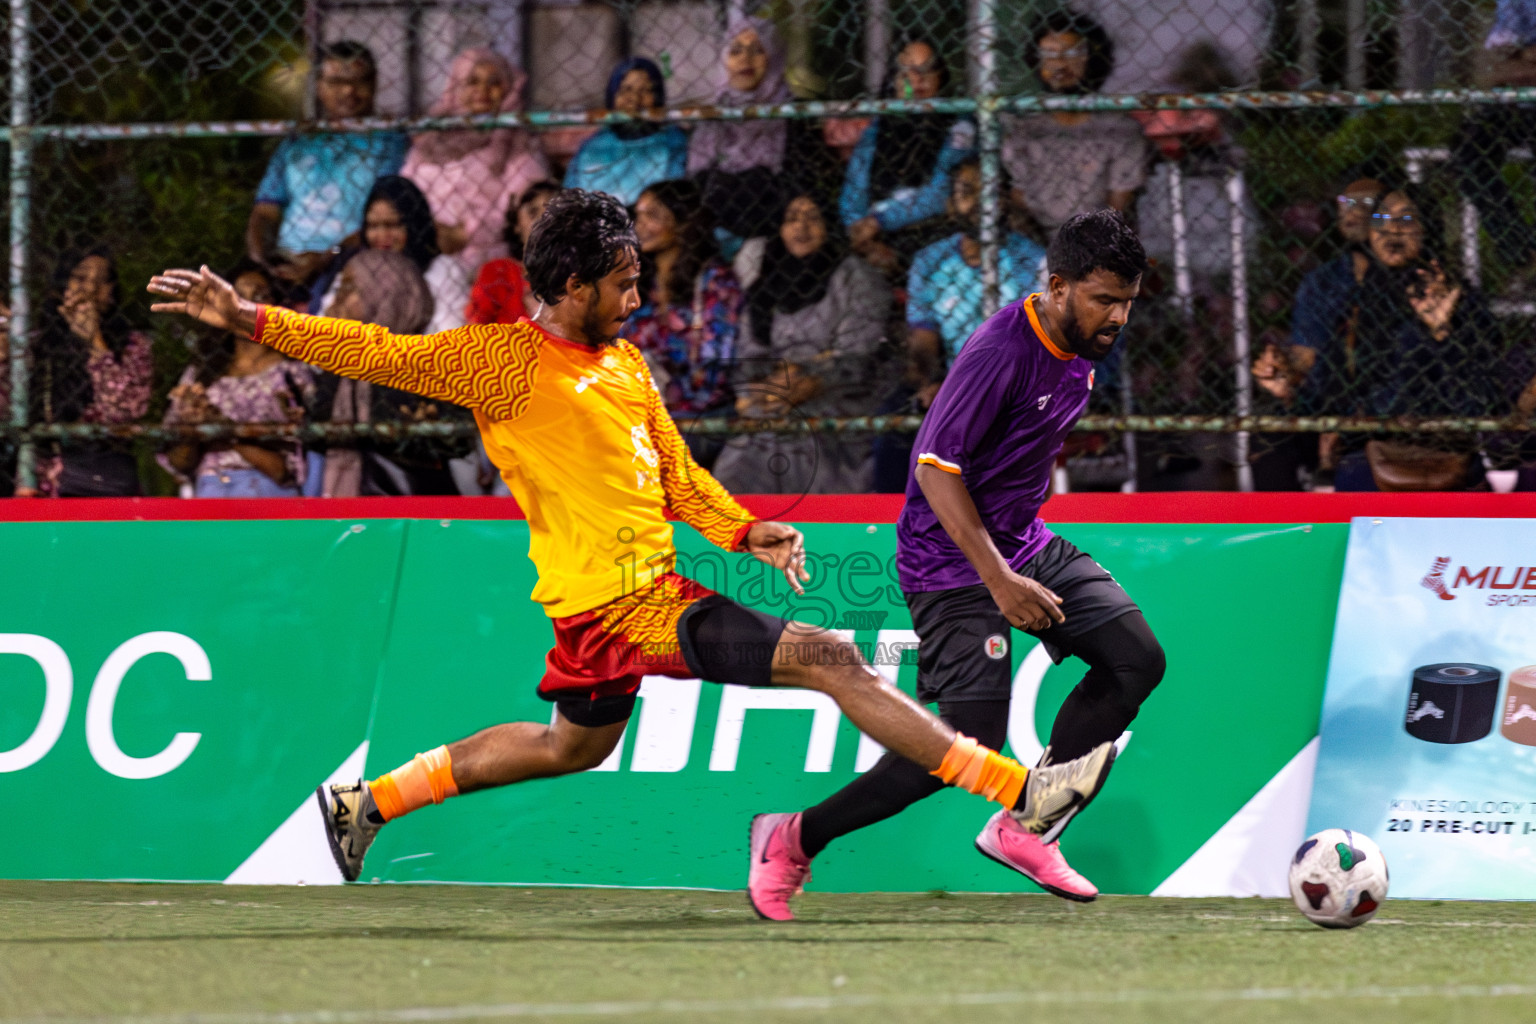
(675, 627)
(605, 652)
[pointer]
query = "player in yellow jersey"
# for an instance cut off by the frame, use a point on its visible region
(570, 415)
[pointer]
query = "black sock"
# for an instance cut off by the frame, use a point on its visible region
(1125, 663)
(895, 783)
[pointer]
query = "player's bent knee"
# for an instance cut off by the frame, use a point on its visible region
(1140, 673)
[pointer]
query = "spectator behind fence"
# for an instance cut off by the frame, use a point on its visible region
(1327, 296)
(815, 321)
(472, 175)
(738, 163)
(898, 176)
(1068, 162)
(1199, 143)
(310, 201)
(397, 218)
(1320, 315)
(385, 288)
(944, 289)
(7, 446)
(1488, 132)
(690, 302)
(500, 294)
(236, 380)
(1420, 343)
(622, 159)
(944, 292)
(88, 366)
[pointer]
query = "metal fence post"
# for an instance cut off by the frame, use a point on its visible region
(21, 196)
(1183, 282)
(988, 139)
(877, 44)
(1236, 197)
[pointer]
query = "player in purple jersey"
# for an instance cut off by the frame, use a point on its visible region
(974, 559)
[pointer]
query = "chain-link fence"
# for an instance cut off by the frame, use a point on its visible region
(829, 196)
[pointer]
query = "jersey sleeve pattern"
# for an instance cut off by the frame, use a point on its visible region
(693, 495)
(490, 368)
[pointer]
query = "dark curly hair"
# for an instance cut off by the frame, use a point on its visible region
(1098, 240)
(1101, 49)
(581, 234)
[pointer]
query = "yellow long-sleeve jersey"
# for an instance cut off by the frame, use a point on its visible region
(579, 434)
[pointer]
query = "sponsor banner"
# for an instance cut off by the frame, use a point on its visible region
(172, 693)
(1428, 736)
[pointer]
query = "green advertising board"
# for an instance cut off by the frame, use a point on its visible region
(292, 651)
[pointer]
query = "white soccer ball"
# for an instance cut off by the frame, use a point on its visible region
(1339, 878)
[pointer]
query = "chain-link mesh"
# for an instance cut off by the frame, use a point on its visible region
(829, 197)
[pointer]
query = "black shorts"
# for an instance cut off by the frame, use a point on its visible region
(963, 640)
(718, 641)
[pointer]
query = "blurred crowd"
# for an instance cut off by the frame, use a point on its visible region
(799, 268)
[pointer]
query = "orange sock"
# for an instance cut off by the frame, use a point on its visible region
(977, 769)
(424, 779)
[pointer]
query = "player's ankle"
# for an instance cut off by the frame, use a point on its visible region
(425, 779)
(981, 770)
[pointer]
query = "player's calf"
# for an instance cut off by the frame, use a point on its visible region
(1042, 800)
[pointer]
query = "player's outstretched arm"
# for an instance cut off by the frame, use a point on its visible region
(205, 297)
(693, 494)
(702, 502)
(489, 368)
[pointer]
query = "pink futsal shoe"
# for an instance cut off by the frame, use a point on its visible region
(1013, 846)
(778, 870)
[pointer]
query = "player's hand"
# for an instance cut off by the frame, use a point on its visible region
(781, 546)
(1025, 603)
(205, 297)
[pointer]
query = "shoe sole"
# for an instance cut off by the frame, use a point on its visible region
(1057, 827)
(330, 833)
(1053, 890)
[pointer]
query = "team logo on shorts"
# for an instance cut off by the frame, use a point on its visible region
(996, 646)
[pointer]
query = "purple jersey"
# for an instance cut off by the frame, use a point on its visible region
(998, 422)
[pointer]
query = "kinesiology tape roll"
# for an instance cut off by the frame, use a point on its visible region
(1452, 702)
(1520, 707)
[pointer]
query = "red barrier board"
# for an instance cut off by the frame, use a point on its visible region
(1161, 507)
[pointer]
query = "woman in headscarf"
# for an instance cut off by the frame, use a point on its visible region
(237, 380)
(89, 366)
(900, 176)
(622, 159)
(396, 218)
(816, 316)
(379, 286)
(738, 163)
(471, 175)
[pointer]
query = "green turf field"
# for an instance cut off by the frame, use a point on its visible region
(231, 955)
